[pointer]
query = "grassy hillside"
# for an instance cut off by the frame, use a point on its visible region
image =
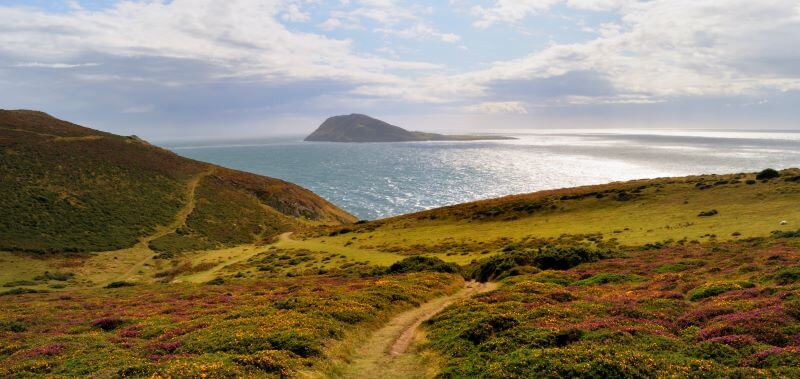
(678, 211)
(66, 188)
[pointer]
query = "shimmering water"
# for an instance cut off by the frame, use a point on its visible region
(385, 179)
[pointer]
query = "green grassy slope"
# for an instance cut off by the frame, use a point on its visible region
(64, 187)
(632, 213)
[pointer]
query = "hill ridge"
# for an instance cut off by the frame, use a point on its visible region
(104, 192)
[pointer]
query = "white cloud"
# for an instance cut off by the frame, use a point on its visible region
(509, 11)
(55, 65)
(655, 50)
(293, 13)
(393, 18)
(677, 48)
(74, 5)
(599, 5)
(241, 37)
(496, 107)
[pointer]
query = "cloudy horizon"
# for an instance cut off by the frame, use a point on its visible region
(205, 68)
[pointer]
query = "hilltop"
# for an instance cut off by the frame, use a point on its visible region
(362, 128)
(67, 188)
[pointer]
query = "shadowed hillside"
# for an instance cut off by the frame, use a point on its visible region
(64, 187)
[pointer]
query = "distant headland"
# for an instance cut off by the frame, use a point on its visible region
(362, 128)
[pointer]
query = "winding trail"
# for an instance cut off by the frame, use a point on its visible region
(180, 220)
(183, 213)
(386, 353)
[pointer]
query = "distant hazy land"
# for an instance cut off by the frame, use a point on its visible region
(362, 128)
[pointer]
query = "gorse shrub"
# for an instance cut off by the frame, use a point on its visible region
(107, 323)
(421, 263)
(714, 289)
(547, 258)
(709, 213)
(768, 174)
(610, 278)
(20, 291)
(57, 276)
(119, 284)
(788, 275)
(13, 326)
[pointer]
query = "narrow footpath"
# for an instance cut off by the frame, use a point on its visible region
(390, 352)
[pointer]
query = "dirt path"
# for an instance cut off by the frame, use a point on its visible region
(177, 222)
(386, 353)
(183, 213)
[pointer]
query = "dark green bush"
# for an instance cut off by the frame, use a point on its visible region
(788, 275)
(790, 234)
(119, 284)
(714, 289)
(606, 278)
(20, 291)
(216, 281)
(768, 174)
(107, 323)
(18, 283)
(57, 276)
(13, 326)
(709, 213)
(548, 258)
(420, 263)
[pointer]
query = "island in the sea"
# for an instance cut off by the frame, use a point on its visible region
(362, 128)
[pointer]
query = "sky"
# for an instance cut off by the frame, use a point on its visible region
(247, 68)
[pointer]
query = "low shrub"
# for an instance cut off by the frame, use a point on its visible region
(790, 234)
(709, 213)
(216, 282)
(18, 283)
(107, 323)
(714, 289)
(768, 174)
(420, 263)
(547, 258)
(606, 278)
(120, 284)
(788, 275)
(20, 291)
(57, 276)
(13, 326)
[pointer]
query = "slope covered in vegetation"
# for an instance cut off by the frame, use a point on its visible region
(662, 211)
(231, 329)
(671, 277)
(709, 310)
(64, 187)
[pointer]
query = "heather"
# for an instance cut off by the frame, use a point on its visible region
(700, 310)
(241, 328)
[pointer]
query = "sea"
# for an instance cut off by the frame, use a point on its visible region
(378, 180)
